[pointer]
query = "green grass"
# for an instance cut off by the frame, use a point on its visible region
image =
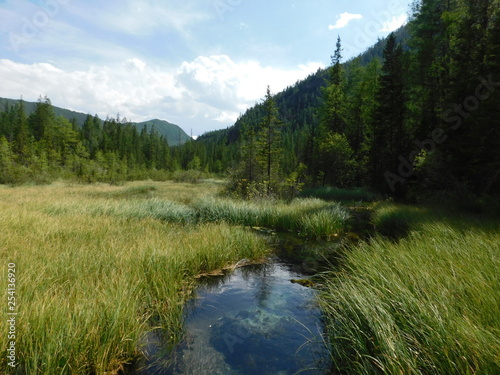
(309, 217)
(395, 221)
(427, 304)
(95, 273)
(99, 266)
(154, 208)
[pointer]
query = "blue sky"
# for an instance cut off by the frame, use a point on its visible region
(197, 63)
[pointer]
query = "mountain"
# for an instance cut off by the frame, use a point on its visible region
(298, 104)
(174, 133)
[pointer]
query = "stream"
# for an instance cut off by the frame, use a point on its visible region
(251, 321)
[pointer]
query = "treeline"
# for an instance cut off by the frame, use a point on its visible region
(421, 122)
(42, 146)
(416, 117)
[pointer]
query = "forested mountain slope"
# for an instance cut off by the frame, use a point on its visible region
(174, 133)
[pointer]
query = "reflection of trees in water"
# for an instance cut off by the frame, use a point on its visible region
(264, 287)
(254, 328)
(256, 270)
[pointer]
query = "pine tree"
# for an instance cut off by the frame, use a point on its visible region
(92, 134)
(42, 118)
(471, 153)
(332, 121)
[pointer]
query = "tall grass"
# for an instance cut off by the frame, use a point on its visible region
(90, 283)
(309, 217)
(428, 304)
(395, 221)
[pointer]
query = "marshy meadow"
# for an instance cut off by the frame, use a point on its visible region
(100, 266)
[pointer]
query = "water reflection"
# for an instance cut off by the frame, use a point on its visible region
(254, 321)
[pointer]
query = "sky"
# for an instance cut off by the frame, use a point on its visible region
(196, 63)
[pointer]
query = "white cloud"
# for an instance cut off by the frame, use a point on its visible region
(219, 82)
(395, 23)
(206, 93)
(141, 17)
(344, 20)
(134, 64)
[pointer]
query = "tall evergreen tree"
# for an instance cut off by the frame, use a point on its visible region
(270, 151)
(332, 110)
(21, 132)
(42, 118)
(389, 137)
(250, 166)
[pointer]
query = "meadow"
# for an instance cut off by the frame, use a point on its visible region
(99, 266)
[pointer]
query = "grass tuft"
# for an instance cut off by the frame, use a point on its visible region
(428, 303)
(396, 221)
(309, 217)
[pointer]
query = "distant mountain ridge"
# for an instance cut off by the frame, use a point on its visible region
(174, 133)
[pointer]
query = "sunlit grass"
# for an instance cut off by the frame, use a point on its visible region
(98, 266)
(309, 217)
(426, 304)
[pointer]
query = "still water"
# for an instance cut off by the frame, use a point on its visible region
(252, 321)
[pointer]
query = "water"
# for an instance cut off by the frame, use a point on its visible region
(253, 321)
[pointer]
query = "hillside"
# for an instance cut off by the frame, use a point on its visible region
(174, 133)
(298, 104)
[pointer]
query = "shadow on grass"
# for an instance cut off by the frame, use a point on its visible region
(396, 221)
(329, 193)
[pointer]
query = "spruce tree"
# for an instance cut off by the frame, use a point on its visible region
(270, 151)
(21, 133)
(389, 137)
